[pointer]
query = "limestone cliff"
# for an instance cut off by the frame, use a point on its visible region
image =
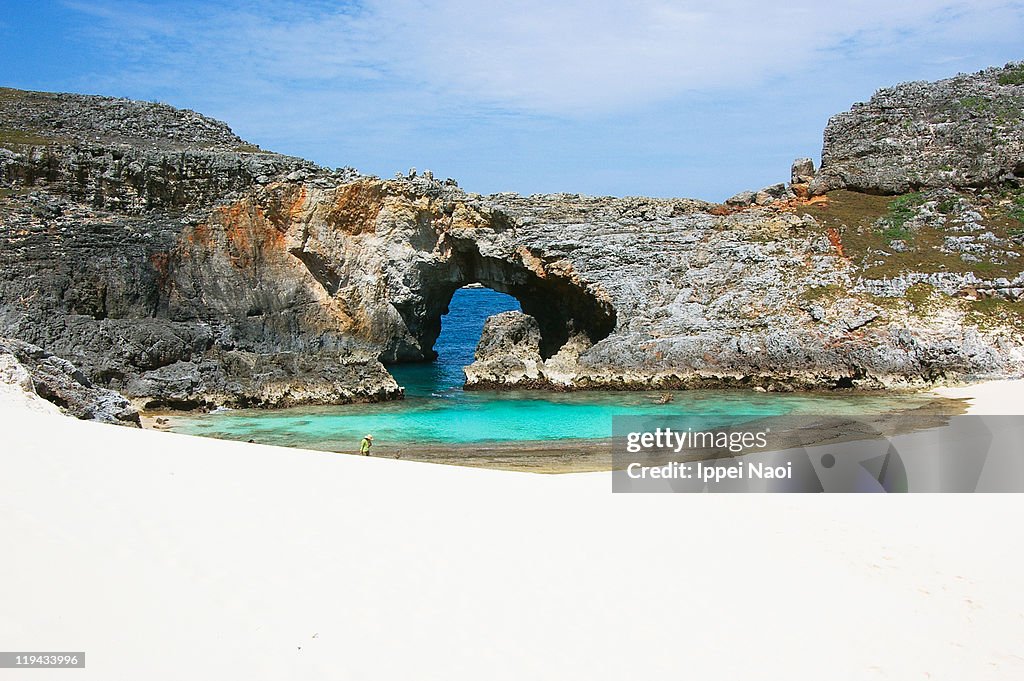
(966, 131)
(131, 245)
(180, 266)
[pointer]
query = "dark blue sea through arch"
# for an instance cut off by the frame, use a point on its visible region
(460, 331)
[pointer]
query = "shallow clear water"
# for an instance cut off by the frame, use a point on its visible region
(437, 411)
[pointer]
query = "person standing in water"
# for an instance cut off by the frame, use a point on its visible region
(364, 446)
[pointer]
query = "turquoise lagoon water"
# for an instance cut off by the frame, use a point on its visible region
(437, 411)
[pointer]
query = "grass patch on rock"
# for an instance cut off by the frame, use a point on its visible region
(1003, 110)
(23, 138)
(1012, 75)
(993, 313)
(976, 103)
(867, 225)
(826, 293)
(919, 300)
(1016, 209)
(920, 295)
(902, 209)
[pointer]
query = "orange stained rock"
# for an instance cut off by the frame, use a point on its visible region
(285, 205)
(532, 262)
(297, 206)
(836, 240)
(237, 222)
(241, 230)
(199, 235)
(161, 263)
(356, 207)
(781, 204)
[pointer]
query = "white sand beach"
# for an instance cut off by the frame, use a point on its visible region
(989, 397)
(164, 556)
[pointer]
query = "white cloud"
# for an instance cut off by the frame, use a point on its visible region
(567, 58)
(601, 55)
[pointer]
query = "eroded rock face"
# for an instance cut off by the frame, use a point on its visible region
(179, 311)
(966, 131)
(508, 356)
(132, 244)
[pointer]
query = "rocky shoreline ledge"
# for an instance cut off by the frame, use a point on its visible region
(179, 266)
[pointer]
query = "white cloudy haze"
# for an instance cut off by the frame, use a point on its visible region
(648, 97)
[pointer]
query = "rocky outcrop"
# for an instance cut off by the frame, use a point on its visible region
(707, 300)
(802, 171)
(131, 180)
(109, 120)
(39, 374)
(118, 254)
(966, 131)
(17, 391)
(508, 356)
(663, 293)
(251, 279)
(508, 353)
(128, 156)
(176, 312)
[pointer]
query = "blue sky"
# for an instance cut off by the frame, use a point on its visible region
(599, 97)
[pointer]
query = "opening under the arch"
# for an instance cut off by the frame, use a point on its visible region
(461, 327)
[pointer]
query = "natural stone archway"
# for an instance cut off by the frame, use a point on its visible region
(562, 306)
(173, 262)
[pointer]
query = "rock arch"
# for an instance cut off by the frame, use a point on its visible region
(562, 305)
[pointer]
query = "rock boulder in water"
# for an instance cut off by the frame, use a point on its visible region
(508, 352)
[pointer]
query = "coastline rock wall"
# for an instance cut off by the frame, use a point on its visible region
(177, 310)
(251, 279)
(119, 251)
(625, 293)
(709, 301)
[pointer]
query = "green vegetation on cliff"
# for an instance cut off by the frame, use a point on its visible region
(888, 237)
(23, 138)
(1012, 75)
